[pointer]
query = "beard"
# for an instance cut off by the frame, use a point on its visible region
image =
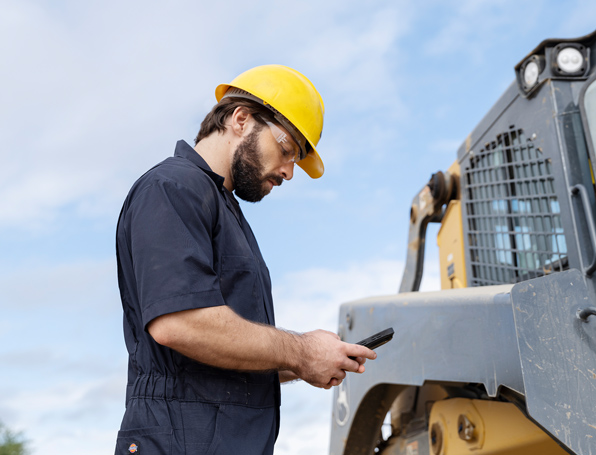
(247, 170)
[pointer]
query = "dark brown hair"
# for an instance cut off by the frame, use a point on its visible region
(215, 120)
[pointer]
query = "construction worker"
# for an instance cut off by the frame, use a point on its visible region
(205, 358)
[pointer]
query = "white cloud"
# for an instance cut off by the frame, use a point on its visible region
(310, 299)
(100, 93)
(89, 95)
(88, 284)
(62, 417)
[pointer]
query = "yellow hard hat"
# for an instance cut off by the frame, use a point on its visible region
(287, 92)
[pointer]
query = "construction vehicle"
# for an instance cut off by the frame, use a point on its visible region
(502, 360)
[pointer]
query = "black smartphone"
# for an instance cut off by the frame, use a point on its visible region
(376, 340)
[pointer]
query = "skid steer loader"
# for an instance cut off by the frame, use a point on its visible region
(502, 360)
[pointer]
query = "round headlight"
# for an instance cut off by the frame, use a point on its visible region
(570, 60)
(531, 72)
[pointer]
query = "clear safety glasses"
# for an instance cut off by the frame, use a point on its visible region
(290, 148)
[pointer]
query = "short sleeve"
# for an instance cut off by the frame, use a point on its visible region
(170, 229)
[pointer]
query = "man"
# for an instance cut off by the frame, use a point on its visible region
(205, 358)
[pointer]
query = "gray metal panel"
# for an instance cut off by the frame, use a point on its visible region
(460, 335)
(558, 357)
(575, 165)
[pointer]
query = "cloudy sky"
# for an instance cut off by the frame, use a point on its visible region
(96, 92)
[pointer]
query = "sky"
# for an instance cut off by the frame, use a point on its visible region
(94, 93)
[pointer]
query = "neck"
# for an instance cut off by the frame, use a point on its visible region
(218, 151)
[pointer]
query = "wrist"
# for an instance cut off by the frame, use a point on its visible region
(292, 350)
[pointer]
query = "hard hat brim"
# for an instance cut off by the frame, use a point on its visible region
(312, 164)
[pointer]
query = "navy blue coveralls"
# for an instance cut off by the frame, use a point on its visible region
(183, 243)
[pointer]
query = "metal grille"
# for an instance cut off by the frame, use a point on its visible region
(513, 214)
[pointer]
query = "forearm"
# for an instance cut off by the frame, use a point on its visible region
(219, 337)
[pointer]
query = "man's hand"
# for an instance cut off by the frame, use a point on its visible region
(325, 359)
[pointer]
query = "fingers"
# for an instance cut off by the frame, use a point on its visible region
(332, 383)
(357, 357)
(340, 375)
(360, 360)
(350, 364)
(355, 350)
(355, 363)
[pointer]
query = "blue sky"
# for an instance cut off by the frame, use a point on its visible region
(95, 93)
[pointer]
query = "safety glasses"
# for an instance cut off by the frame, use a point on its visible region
(290, 148)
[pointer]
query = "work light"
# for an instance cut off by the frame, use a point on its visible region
(529, 72)
(569, 59)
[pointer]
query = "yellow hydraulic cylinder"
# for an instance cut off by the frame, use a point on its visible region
(461, 426)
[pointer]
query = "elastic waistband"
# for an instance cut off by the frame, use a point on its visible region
(247, 389)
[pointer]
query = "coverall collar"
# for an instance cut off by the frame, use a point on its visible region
(184, 150)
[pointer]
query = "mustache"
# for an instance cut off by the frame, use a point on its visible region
(278, 180)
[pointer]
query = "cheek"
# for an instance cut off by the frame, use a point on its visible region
(269, 152)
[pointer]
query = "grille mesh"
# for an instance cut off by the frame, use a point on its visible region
(512, 212)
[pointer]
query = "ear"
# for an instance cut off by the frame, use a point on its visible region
(240, 120)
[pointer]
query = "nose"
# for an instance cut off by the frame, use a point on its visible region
(287, 170)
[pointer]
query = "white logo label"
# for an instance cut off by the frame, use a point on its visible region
(282, 138)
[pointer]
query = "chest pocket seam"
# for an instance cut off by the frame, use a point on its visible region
(240, 284)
